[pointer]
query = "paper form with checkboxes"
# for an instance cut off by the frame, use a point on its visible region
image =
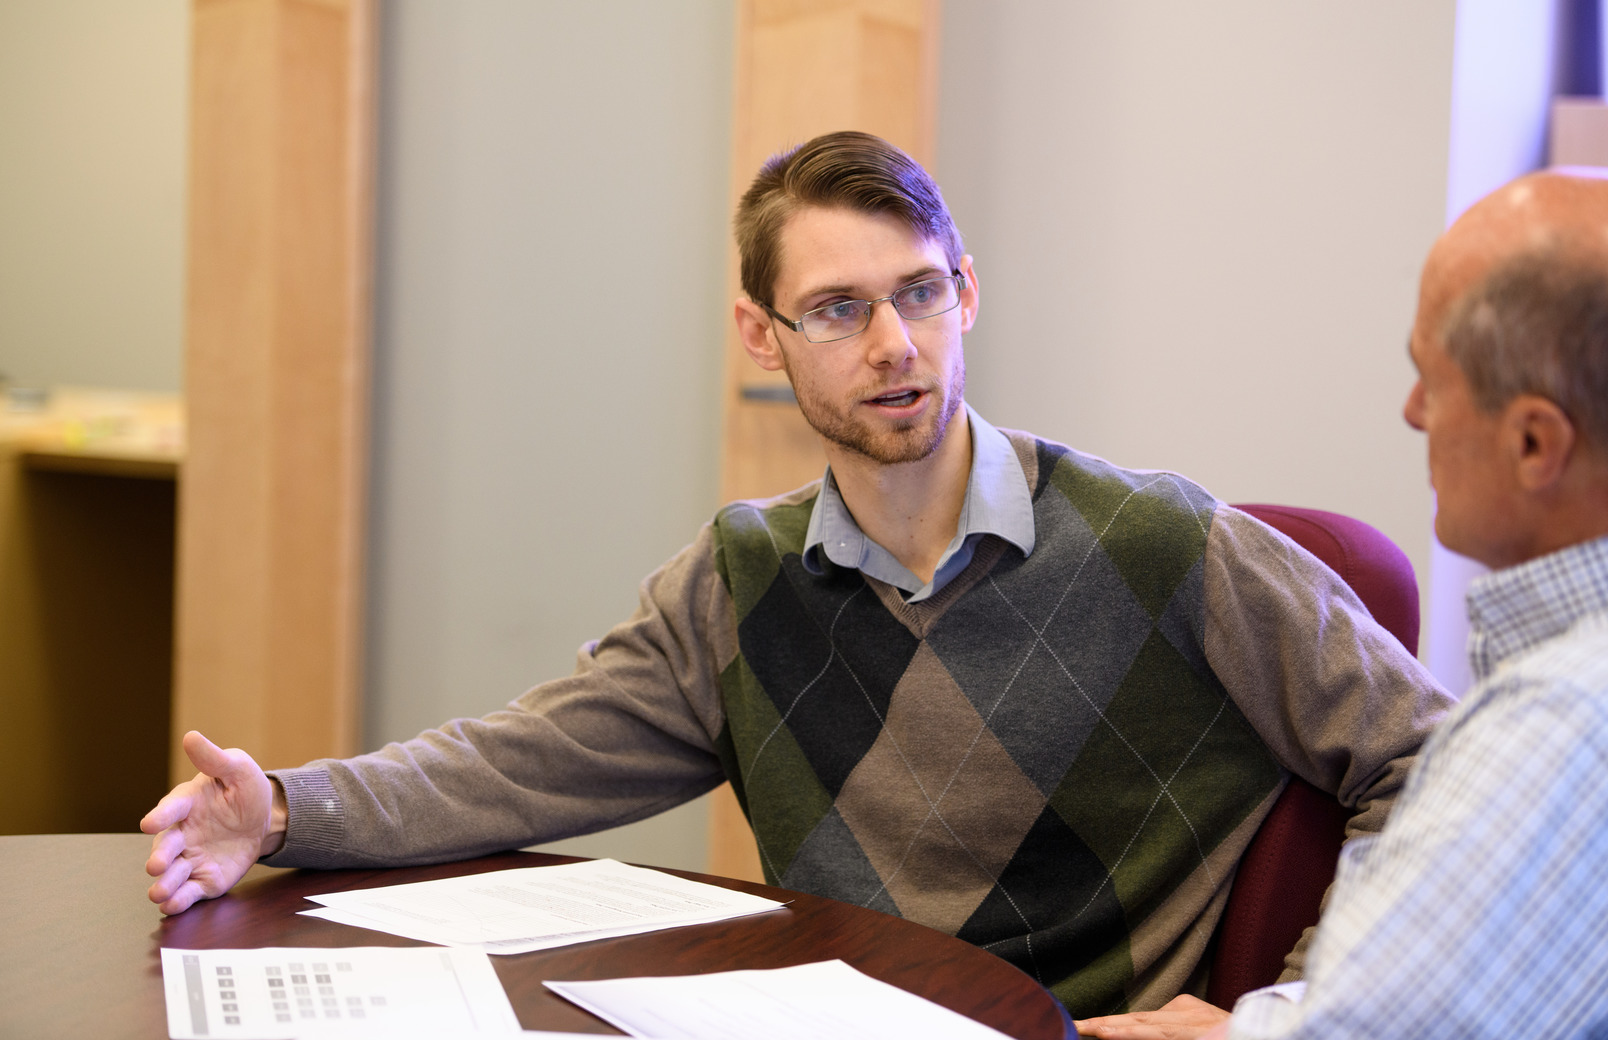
(278, 992)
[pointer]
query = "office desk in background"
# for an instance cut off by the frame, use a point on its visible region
(88, 482)
(79, 947)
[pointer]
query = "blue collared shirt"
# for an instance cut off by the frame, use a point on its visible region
(998, 502)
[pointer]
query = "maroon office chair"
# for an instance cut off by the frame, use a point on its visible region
(1291, 860)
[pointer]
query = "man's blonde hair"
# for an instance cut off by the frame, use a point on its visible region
(849, 170)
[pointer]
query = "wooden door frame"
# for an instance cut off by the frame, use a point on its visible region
(269, 592)
(803, 68)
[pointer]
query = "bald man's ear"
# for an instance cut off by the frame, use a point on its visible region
(1543, 438)
(759, 339)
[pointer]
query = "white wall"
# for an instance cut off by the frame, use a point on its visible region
(93, 117)
(550, 312)
(1198, 230)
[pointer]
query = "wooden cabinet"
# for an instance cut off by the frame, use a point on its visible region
(87, 507)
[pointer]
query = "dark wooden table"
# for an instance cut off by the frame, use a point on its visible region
(80, 943)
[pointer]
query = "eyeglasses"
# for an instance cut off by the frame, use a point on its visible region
(847, 318)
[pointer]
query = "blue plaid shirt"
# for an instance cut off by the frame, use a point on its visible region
(1481, 910)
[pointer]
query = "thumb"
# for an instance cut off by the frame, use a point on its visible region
(208, 757)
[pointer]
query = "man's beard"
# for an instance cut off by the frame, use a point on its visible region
(908, 440)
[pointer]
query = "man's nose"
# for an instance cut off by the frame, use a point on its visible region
(887, 338)
(1413, 409)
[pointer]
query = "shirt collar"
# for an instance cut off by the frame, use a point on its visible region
(998, 501)
(1516, 608)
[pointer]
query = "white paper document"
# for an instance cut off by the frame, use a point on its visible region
(535, 908)
(352, 1031)
(825, 999)
(278, 992)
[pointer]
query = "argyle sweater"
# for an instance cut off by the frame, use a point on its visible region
(1060, 758)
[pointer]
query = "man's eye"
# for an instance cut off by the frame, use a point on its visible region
(922, 293)
(840, 311)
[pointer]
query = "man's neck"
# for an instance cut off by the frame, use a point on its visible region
(911, 509)
(1572, 511)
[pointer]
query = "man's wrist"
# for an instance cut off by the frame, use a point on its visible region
(273, 838)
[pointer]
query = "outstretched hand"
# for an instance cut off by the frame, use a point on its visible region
(1181, 1018)
(209, 830)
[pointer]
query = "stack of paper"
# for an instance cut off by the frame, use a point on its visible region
(535, 908)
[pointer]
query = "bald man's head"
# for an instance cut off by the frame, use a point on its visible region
(1514, 289)
(1511, 347)
(1562, 211)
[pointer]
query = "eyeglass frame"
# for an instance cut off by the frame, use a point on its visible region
(954, 275)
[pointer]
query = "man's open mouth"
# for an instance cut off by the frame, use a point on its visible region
(899, 400)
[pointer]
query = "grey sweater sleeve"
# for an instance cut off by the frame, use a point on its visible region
(629, 734)
(1336, 698)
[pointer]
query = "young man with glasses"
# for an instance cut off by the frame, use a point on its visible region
(970, 677)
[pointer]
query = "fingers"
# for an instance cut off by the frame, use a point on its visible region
(1110, 1027)
(175, 890)
(165, 848)
(172, 809)
(1182, 1018)
(172, 877)
(186, 880)
(187, 896)
(1127, 1027)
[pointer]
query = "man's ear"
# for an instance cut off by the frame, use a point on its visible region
(1543, 440)
(758, 336)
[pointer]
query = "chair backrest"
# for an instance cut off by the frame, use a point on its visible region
(1291, 861)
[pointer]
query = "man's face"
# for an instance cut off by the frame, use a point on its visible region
(1464, 445)
(890, 393)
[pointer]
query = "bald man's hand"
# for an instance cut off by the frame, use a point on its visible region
(210, 830)
(1181, 1018)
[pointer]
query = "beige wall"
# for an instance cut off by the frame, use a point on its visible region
(1198, 229)
(549, 319)
(92, 153)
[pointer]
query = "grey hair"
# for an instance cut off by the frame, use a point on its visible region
(1538, 324)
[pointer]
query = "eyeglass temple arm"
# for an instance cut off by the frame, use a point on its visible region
(796, 326)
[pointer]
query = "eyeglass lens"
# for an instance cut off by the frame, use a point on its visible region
(849, 317)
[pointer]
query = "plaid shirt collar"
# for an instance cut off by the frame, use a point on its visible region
(1516, 608)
